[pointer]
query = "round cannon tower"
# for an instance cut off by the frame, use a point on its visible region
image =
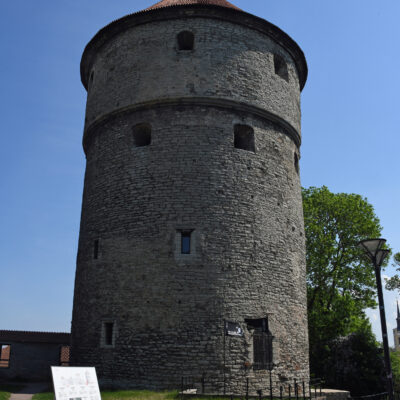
(191, 256)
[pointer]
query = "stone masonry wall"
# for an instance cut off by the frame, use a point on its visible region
(31, 361)
(244, 208)
(143, 64)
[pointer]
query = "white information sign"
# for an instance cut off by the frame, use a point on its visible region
(75, 383)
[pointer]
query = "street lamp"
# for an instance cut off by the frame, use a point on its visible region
(373, 249)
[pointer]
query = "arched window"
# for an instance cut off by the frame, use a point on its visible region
(185, 40)
(281, 68)
(244, 137)
(141, 135)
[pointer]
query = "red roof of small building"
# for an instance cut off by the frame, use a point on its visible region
(7, 337)
(170, 3)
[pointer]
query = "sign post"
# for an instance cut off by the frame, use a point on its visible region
(230, 329)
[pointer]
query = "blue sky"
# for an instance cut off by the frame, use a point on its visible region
(350, 111)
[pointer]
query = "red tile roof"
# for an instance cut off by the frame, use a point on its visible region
(170, 3)
(7, 337)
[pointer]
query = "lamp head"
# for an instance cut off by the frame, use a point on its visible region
(371, 247)
(380, 257)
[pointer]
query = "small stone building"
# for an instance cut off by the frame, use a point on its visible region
(28, 356)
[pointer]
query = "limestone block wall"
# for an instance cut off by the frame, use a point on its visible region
(242, 207)
(229, 61)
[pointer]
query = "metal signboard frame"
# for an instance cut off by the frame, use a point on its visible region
(75, 383)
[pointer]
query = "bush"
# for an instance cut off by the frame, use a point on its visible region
(355, 363)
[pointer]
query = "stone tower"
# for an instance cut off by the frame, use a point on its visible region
(191, 252)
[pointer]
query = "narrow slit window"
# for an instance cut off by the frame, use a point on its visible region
(185, 242)
(244, 138)
(296, 163)
(281, 68)
(141, 135)
(5, 351)
(91, 78)
(185, 40)
(96, 249)
(109, 333)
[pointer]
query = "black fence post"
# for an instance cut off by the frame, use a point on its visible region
(304, 391)
(309, 389)
(296, 391)
(280, 392)
(259, 392)
(290, 392)
(182, 389)
(247, 388)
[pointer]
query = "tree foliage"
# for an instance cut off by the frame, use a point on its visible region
(394, 282)
(340, 280)
(355, 363)
(395, 361)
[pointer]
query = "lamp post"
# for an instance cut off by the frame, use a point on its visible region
(373, 249)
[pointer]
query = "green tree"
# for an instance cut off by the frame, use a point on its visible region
(355, 363)
(394, 282)
(340, 280)
(395, 361)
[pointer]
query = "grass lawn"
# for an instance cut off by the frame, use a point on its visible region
(44, 396)
(129, 395)
(121, 394)
(138, 395)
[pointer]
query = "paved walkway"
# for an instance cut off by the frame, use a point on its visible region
(28, 391)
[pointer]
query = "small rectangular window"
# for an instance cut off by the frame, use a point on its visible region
(185, 40)
(108, 333)
(185, 242)
(96, 249)
(281, 68)
(244, 138)
(142, 135)
(5, 350)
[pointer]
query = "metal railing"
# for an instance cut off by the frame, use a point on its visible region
(214, 385)
(378, 396)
